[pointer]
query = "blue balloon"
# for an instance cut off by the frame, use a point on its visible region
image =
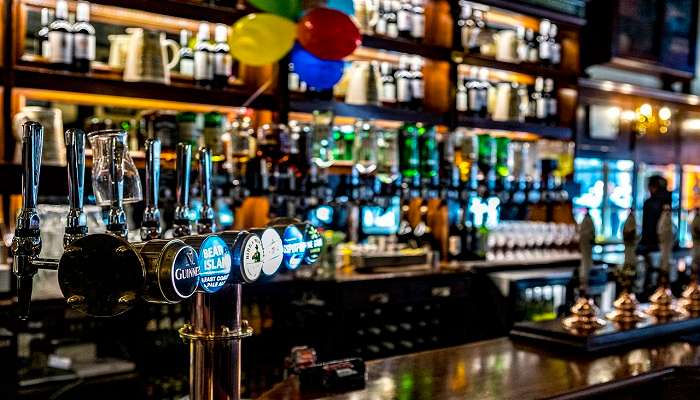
(345, 6)
(317, 73)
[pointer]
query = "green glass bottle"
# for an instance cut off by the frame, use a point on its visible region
(502, 157)
(485, 156)
(429, 155)
(213, 133)
(409, 156)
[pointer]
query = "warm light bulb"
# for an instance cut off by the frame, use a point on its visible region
(664, 113)
(646, 110)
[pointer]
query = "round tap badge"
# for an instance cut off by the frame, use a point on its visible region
(185, 272)
(215, 264)
(252, 258)
(314, 244)
(294, 247)
(272, 251)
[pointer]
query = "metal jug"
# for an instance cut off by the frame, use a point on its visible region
(146, 59)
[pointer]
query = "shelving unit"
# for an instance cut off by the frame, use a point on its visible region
(367, 111)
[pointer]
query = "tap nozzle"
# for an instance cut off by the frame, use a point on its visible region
(76, 221)
(26, 244)
(150, 228)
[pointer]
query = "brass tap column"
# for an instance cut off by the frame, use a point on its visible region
(662, 305)
(625, 314)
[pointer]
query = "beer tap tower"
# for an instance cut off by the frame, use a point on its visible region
(626, 314)
(104, 275)
(584, 314)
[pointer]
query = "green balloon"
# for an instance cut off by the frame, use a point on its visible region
(286, 8)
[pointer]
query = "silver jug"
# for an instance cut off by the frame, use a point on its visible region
(147, 59)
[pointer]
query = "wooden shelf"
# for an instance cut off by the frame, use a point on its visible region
(544, 131)
(367, 112)
(541, 12)
(406, 46)
(198, 11)
(532, 69)
(42, 79)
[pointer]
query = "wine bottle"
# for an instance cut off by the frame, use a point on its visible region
(203, 68)
(83, 38)
(223, 62)
(61, 37)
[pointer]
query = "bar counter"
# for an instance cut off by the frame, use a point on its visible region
(503, 369)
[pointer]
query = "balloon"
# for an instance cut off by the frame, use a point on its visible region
(328, 34)
(260, 39)
(317, 73)
(285, 8)
(345, 6)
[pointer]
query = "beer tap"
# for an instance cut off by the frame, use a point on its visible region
(150, 228)
(26, 244)
(206, 222)
(116, 220)
(76, 221)
(182, 192)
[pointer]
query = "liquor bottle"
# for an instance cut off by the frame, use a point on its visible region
(388, 96)
(461, 98)
(365, 147)
(380, 28)
(473, 87)
(409, 155)
(187, 128)
(479, 32)
(213, 132)
(458, 236)
(532, 47)
(403, 83)
(502, 167)
(429, 156)
(403, 19)
(418, 20)
(545, 49)
(293, 80)
(83, 38)
(538, 102)
(42, 46)
(551, 103)
(203, 68)
(465, 24)
(521, 47)
(61, 37)
(186, 54)
(417, 83)
(484, 87)
(392, 23)
(555, 47)
(223, 62)
(486, 157)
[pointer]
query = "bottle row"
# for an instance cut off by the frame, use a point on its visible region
(140, 53)
(393, 18)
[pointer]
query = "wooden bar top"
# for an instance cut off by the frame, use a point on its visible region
(503, 369)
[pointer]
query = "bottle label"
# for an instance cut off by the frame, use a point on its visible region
(381, 27)
(187, 67)
(455, 246)
(389, 93)
(466, 37)
(392, 30)
(417, 88)
(201, 65)
(222, 64)
(474, 100)
(541, 108)
(533, 55)
(215, 264)
(462, 101)
(545, 52)
(551, 107)
(403, 20)
(46, 49)
(61, 44)
(84, 46)
(403, 90)
(418, 26)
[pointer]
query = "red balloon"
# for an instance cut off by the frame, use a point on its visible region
(328, 34)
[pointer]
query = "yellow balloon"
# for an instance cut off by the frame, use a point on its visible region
(260, 39)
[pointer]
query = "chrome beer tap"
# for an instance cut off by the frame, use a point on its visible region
(116, 220)
(26, 244)
(181, 223)
(206, 222)
(150, 228)
(76, 221)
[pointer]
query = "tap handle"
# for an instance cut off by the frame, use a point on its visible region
(32, 141)
(184, 163)
(206, 220)
(75, 151)
(152, 172)
(150, 227)
(181, 220)
(76, 222)
(117, 218)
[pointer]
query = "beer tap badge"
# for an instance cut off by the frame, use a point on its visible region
(252, 258)
(215, 264)
(314, 244)
(272, 251)
(185, 273)
(294, 247)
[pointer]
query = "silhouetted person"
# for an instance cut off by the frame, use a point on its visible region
(653, 206)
